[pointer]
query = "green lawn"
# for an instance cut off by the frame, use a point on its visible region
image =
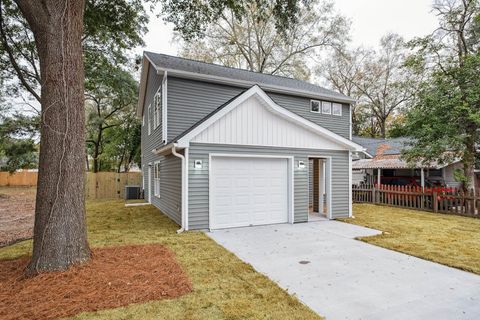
(446, 239)
(224, 286)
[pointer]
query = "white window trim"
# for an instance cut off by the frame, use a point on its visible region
(325, 102)
(149, 121)
(156, 180)
(333, 108)
(164, 108)
(319, 106)
(157, 114)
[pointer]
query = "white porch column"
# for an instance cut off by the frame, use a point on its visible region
(422, 178)
(379, 173)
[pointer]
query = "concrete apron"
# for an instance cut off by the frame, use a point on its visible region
(342, 278)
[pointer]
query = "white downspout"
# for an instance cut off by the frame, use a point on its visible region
(184, 187)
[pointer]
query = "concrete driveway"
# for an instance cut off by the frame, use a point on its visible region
(342, 278)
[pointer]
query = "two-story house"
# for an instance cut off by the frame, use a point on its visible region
(225, 147)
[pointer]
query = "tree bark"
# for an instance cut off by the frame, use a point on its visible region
(60, 235)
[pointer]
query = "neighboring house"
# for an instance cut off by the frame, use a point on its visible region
(382, 157)
(224, 147)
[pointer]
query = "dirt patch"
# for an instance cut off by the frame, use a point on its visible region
(115, 277)
(17, 210)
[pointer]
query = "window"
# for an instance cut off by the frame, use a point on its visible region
(326, 107)
(156, 179)
(157, 108)
(314, 106)
(149, 119)
(337, 109)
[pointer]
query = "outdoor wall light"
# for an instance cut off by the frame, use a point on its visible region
(301, 164)
(197, 164)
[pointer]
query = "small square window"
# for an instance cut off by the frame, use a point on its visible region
(326, 107)
(337, 109)
(314, 106)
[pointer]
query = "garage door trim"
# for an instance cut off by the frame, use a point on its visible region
(290, 176)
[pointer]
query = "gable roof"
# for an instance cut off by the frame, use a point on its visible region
(183, 140)
(378, 146)
(193, 69)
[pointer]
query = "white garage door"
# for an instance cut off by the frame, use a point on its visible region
(248, 191)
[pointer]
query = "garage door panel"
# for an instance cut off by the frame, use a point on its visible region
(248, 191)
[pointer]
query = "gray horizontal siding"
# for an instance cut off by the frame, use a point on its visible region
(170, 200)
(199, 180)
(170, 168)
(301, 106)
(189, 101)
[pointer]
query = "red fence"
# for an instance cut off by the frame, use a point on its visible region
(443, 200)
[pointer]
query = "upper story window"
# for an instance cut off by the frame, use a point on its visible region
(326, 107)
(149, 118)
(157, 108)
(337, 109)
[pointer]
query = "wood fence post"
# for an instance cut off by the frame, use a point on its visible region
(435, 201)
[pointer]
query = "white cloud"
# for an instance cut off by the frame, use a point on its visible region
(371, 19)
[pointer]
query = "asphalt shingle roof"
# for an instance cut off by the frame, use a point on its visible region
(164, 61)
(386, 146)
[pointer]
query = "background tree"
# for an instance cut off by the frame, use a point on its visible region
(444, 122)
(252, 41)
(111, 96)
(386, 84)
(18, 134)
(378, 79)
(111, 29)
(123, 147)
(343, 71)
(192, 18)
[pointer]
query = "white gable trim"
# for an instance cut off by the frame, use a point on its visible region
(184, 141)
(143, 86)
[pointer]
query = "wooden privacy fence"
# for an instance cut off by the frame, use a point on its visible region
(442, 200)
(100, 185)
(17, 179)
(108, 185)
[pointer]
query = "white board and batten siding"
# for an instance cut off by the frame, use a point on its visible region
(251, 123)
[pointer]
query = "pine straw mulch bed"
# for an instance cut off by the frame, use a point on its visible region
(115, 277)
(17, 208)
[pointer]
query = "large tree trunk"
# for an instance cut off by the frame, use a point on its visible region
(60, 235)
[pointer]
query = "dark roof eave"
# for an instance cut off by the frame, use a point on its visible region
(327, 95)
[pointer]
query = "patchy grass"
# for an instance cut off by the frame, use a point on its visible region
(223, 286)
(447, 239)
(17, 210)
